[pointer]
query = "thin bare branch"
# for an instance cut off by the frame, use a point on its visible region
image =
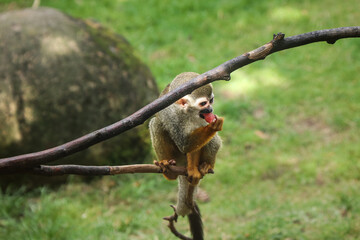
(222, 72)
(172, 220)
(96, 170)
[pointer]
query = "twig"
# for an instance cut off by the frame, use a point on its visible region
(172, 219)
(222, 72)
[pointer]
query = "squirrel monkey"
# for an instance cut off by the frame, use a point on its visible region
(186, 132)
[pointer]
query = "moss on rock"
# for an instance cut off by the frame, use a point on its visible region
(61, 78)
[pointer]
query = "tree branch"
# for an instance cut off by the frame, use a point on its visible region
(222, 72)
(97, 170)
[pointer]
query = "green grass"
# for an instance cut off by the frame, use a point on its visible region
(290, 165)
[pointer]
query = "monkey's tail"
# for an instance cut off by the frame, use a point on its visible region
(196, 224)
(185, 197)
(186, 206)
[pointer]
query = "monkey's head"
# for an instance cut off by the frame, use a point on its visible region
(198, 104)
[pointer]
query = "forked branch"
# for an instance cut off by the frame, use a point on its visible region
(172, 220)
(222, 72)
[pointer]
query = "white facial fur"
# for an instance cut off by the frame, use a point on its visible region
(195, 103)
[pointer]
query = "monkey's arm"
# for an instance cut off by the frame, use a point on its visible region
(202, 136)
(201, 158)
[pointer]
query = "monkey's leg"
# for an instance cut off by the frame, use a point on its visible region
(208, 155)
(193, 162)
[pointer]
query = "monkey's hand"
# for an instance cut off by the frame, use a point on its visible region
(164, 165)
(217, 124)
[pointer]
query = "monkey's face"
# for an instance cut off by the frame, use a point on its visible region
(199, 107)
(205, 108)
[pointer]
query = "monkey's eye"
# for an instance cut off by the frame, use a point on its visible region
(211, 101)
(203, 103)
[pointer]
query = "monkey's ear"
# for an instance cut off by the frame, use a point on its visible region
(183, 102)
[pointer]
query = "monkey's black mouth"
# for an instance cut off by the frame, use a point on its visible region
(205, 111)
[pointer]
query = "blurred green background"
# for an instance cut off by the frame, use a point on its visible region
(290, 165)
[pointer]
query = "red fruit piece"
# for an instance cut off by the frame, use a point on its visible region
(209, 117)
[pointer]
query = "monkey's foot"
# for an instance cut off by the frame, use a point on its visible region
(171, 219)
(194, 176)
(164, 165)
(205, 168)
